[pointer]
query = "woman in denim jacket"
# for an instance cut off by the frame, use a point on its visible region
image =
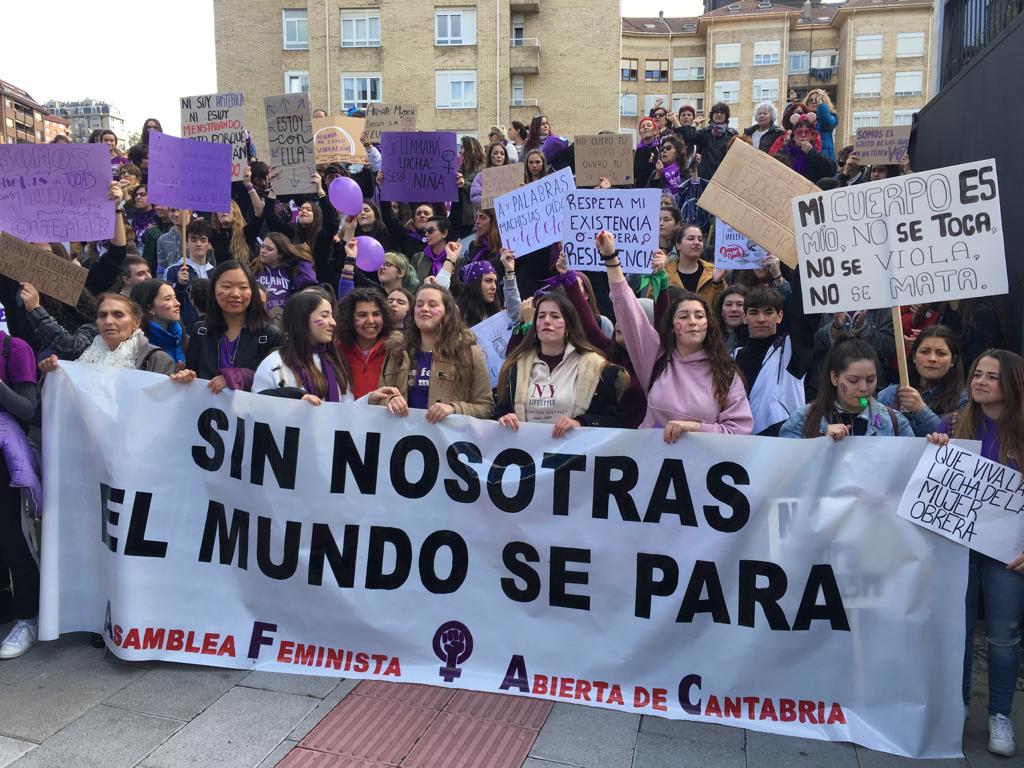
(845, 404)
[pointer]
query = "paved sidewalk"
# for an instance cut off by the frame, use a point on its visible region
(66, 705)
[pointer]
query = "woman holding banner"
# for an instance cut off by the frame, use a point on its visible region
(228, 346)
(556, 377)
(994, 414)
(436, 364)
(692, 383)
(161, 312)
(845, 404)
(936, 381)
(365, 323)
(308, 365)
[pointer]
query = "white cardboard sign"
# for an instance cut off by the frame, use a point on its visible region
(629, 214)
(924, 237)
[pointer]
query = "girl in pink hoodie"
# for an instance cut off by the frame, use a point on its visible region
(692, 383)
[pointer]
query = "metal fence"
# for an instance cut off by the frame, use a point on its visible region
(970, 25)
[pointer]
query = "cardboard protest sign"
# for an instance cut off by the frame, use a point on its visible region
(968, 499)
(290, 133)
(218, 118)
(492, 335)
(337, 140)
(629, 214)
(381, 118)
(882, 146)
(56, 192)
(931, 236)
(49, 273)
(419, 167)
(189, 174)
(751, 191)
(497, 181)
(531, 217)
(607, 154)
(734, 250)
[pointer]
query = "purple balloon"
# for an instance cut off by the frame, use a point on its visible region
(346, 196)
(369, 253)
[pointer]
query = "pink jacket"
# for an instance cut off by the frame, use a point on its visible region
(684, 390)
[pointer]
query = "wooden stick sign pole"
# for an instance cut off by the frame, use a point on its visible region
(184, 248)
(901, 346)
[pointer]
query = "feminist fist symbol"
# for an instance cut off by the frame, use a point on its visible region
(453, 644)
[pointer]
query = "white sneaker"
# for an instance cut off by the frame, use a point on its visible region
(23, 636)
(1000, 736)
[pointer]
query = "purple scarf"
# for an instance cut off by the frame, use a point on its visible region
(333, 392)
(436, 260)
(483, 251)
(142, 221)
(672, 177)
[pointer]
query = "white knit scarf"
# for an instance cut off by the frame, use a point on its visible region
(122, 357)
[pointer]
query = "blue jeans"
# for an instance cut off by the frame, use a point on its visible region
(1003, 594)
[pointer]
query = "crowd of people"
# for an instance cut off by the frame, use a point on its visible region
(268, 298)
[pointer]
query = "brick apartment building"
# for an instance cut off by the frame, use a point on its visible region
(871, 56)
(21, 116)
(464, 67)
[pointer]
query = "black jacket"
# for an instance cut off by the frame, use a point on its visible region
(203, 353)
(768, 139)
(712, 148)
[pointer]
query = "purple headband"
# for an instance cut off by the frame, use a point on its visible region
(472, 271)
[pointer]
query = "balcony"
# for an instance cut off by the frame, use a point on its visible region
(524, 6)
(524, 110)
(524, 56)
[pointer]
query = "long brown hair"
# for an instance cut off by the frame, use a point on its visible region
(291, 254)
(574, 335)
(454, 338)
(297, 350)
(238, 249)
(846, 350)
(946, 391)
(723, 367)
(1010, 426)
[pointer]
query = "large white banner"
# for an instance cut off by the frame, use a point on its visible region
(930, 236)
(746, 581)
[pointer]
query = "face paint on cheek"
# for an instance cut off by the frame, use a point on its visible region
(319, 322)
(843, 388)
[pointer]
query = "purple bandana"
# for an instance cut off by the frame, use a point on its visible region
(476, 269)
(672, 177)
(436, 260)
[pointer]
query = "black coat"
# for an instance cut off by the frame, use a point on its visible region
(203, 352)
(712, 148)
(768, 139)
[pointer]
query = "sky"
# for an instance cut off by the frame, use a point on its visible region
(89, 54)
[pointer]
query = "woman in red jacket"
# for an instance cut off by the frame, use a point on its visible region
(364, 325)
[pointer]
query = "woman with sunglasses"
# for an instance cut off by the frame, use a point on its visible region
(670, 170)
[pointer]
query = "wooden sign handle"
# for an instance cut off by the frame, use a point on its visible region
(901, 346)
(184, 248)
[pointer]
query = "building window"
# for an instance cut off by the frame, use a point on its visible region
(909, 83)
(734, 123)
(651, 99)
(296, 82)
(518, 90)
(695, 100)
(359, 88)
(656, 70)
(518, 29)
(455, 26)
(629, 68)
(727, 55)
(627, 105)
(728, 91)
(767, 52)
(455, 89)
(360, 29)
(865, 120)
(690, 68)
(869, 47)
(868, 85)
(766, 91)
(296, 30)
(799, 61)
(903, 116)
(909, 44)
(825, 59)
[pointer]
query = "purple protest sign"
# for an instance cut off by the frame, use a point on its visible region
(189, 174)
(56, 192)
(419, 167)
